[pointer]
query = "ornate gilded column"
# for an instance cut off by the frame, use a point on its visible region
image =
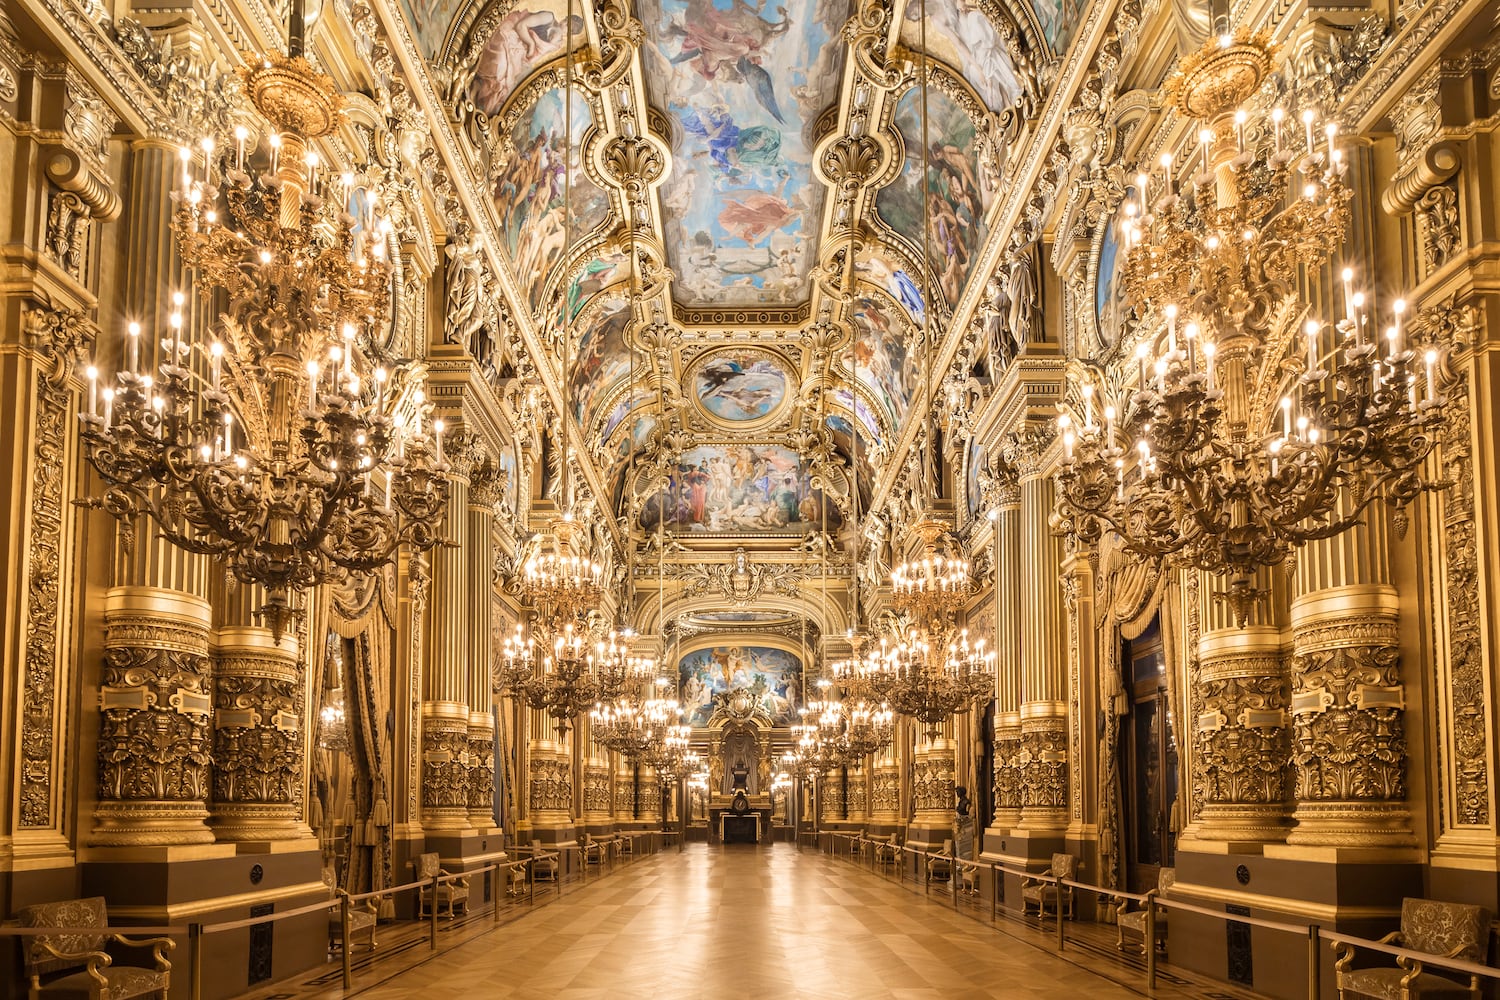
(831, 798)
(932, 784)
(1241, 730)
(885, 790)
(447, 688)
(156, 709)
(624, 791)
(1009, 584)
(597, 812)
(550, 777)
(1349, 737)
(856, 793)
(1042, 758)
(258, 760)
(484, 494)
(648, 796)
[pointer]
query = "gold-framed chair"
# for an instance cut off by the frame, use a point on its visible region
(1040, 894)
(451, 895)
(73, 966)
(543, 865)
(1446, 930)
(363, 916)
(887, 851)
(940, 863)
(593, 850)
(1131, 924)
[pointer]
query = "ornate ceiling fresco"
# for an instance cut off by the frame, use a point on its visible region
(729, 221)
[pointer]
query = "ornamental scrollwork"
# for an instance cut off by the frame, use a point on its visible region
(445, 764)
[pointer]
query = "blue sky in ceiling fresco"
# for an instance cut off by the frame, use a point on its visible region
(880, 355)
(959, 33)
(603, 357)
(1059, 18)
(956, 196)
(529, 191)
(742, 81)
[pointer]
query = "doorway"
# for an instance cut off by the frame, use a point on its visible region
(1148, 761)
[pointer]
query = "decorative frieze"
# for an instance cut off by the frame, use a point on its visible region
(58, 338)
(550, 779)
(596, 804)
(885, 792)
(932, 783)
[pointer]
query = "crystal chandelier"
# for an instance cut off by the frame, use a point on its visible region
(668, 754)
(557, 579)
(925, 667)
(279, 446)
(560, 682)
(333, 731)
(1236, 443)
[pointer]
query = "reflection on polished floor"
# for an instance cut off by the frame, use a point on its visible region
(767, 922)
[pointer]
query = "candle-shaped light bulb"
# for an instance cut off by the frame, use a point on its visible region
(1308, 117)
(1087, 391)
(133, 348)
(1431, 358)
(109, 406)
(312, 384)
(1166, 166)
(1278, 115)
(1398, 308)
(1312, 345)
(1240, 117)
(216, 356)
(241, 133)
(1209, 350)
(1286, 416)
(1171, 314)
(92, 374)
(1141, 352)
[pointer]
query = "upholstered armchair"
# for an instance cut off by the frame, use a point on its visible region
(450, 895)
(887, 851)
(1041, 895)
(543, 869)
(1448, 930)
(940, 864)
(1131, 924)
(77, 966)
(363, 916)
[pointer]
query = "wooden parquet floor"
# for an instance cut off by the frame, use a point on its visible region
(760, 922)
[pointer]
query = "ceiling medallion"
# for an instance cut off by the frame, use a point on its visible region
(741, 388)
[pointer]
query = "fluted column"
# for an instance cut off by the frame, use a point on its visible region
(446, 695)
(1009, 584)
(156, 708)
(1348, 737)
(484, 493)
(1043, 753)
(1241, 731)
(155, 689)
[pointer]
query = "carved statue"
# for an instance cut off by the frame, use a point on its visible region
(1020, 289)
(464, 317)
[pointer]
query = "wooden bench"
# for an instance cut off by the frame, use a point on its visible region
(76, 964)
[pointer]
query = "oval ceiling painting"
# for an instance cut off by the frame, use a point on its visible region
(745, 387)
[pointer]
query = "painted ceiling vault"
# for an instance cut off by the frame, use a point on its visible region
(724, 231)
